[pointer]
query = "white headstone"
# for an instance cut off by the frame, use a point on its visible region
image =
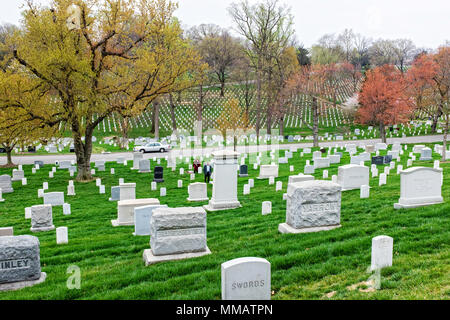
(224, 194)
(365, 192)
(246, 279)
(66, 209)
(420, 186)
(382, 247)
(266, 207)
(62, 236)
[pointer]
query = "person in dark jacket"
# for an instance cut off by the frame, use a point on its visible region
(207, 170)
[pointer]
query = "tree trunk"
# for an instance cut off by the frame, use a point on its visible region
(444, 142)
(258, 100)
(382, 132)
(9, 162)
(156, 112)
(247, 101)
(222, 87)
(153, 128)
(200, 105)
(435, 119)
(234, 143)
(269, 118)
(172, 113)
(125, 129)
(315, 122)
(83, 151)
(281, 125)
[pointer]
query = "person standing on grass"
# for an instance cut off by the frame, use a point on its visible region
(207, 170)
(196, 165)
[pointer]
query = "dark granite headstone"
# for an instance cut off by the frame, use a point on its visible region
(158, 175)
(243, 171)
(378, 160)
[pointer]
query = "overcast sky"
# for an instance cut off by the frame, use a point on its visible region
(427, 23)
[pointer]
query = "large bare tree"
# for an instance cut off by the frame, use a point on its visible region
(268, 26)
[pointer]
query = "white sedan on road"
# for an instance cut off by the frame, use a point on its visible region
(152, 147)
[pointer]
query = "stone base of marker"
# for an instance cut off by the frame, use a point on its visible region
(50, 228)
(285, 228)
(217, 206)
(22, 284)
(417, 205)
(150, 258)
(197, 200)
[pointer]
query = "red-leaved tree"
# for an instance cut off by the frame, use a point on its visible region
(383, 99)
(421, 88)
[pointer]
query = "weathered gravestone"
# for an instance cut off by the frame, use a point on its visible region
(41, 218)
(54, 198)
(115, 193)
(267, 171)
(20, 264)
(246, 279)
(300, 178)
(353, 176)
(18, 175)
(426, 154)
(8, 231)
(137, 156)
(125, 210)
(158, 175)
(308, 169)
(127, 191)
(197, 192)
(6, 184)
(420, 186)
(142, 216)
(176, 233)
(65, 164)
(312, 206)
(334, 158)
(321, 163)
(144, 166)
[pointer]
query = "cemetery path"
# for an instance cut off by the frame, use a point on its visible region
(50, 159)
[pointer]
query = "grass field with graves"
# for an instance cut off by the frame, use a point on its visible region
(303, 266)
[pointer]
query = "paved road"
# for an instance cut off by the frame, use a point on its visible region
(50, 159)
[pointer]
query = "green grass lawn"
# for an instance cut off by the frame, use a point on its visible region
(304, 266)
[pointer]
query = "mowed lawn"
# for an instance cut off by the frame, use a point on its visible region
(304, 266)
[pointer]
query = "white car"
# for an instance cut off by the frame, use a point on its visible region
(152, 147)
